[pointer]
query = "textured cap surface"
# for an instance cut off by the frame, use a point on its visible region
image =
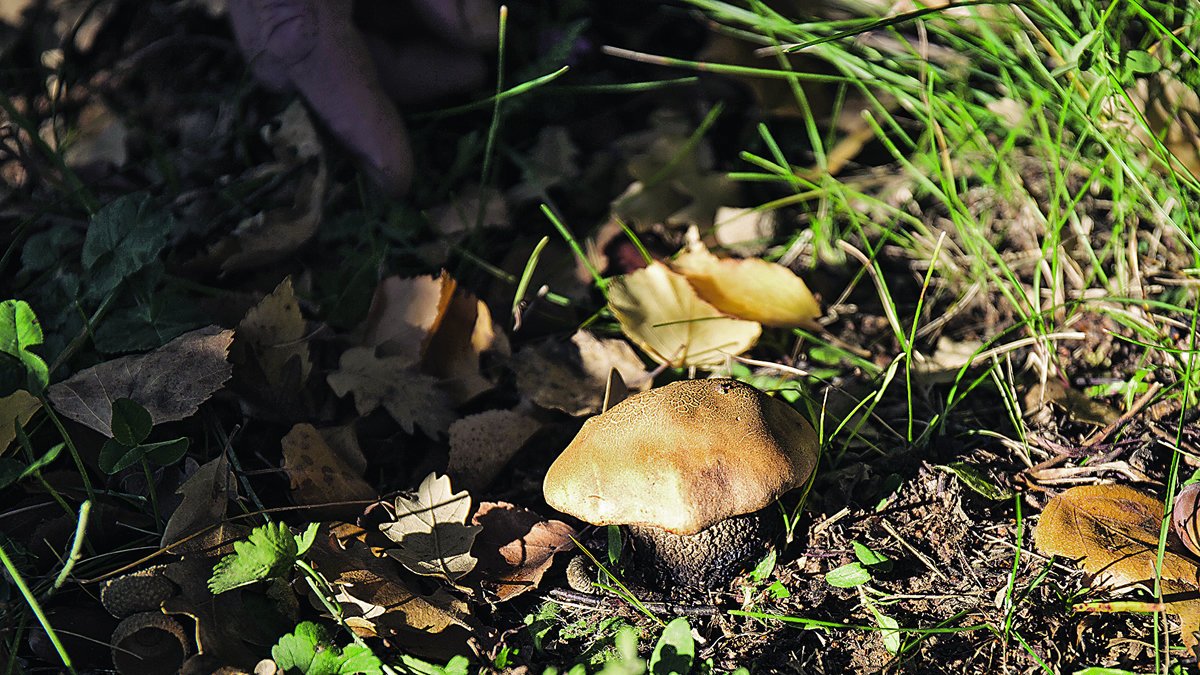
(682, 457)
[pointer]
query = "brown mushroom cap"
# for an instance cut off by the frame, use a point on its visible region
(683, 457)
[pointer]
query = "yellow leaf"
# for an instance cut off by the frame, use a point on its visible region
(752, 289)
(660, 312)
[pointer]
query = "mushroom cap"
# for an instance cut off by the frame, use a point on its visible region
(683, 457)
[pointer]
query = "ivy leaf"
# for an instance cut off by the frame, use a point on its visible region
(269, 551)
(20, 330)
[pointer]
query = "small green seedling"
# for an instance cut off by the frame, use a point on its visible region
(308, 651)
(858, 573)
(131, 425)
(269, 551)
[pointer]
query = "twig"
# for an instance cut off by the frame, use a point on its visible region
(920, 556)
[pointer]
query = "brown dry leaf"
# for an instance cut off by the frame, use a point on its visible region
(1114, 531)
(516, 547)
(274, 332)
(571, 376)
(276, 233)
(405, 312)
(321, 472)
(751, 289)
(1185, 517)
(15, 411)
(170, 382)
(464, 333)
(206, 496)
(660, 312)
(482, 444)
(1079, 406)
(430, 530)
(377, 601)
(97, 139)
(411, 398)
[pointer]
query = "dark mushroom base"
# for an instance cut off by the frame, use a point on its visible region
(707, 559)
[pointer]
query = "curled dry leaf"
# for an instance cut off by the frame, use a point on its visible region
(405, 312)
(516, 547)
(660, 312)
(326, 466)
(1113, 530)
(412, 399)
(378, 603)
(430, 530)
(206, 496)
(571, 376)
(464, 333)
(170, 382)
(482, 444)
(751, 289)
(1185, 518)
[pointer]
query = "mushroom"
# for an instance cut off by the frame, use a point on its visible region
(689, 469)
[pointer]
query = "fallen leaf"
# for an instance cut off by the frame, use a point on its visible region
(274, 332)
(516, 547)
(430, 530)
(1185, 517)
(660, 312)
(170, 382)
(16, 409)
(1114, 530)
(97, 138)
(377, 602)
(453, 351)
(751, 289)
(482, 444)
(552, 161)
(320, 474)
(411, 398)
(1079, 406)
(746, 232)
(404, 313)
(571, 376)
(206, 496)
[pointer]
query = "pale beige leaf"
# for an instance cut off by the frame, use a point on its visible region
(411, 398)
(274, 332)
(516, 547)
(482, 444)
(751, 289)
(405, 312)
(15, 411)
(745, 232)
(170, 382)
(571, 376)
(206, 496)
(319, 474)
(430, 530)
(660, 312)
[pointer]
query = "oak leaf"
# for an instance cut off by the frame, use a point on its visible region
(571, 376)
(516, 547)
(430, 530)
(411, 398)
(660, 312)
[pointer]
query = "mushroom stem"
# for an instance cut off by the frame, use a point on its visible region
(708, 559)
